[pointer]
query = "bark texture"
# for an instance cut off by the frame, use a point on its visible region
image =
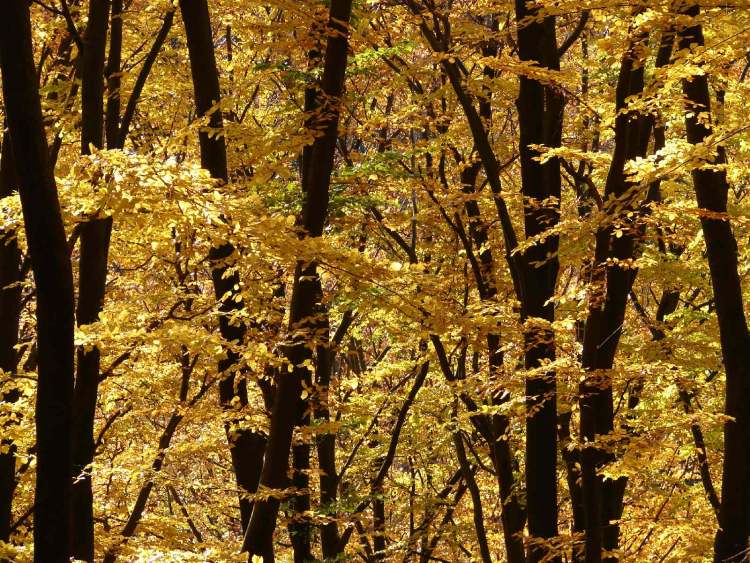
(540, 114)
(259, 535)
(617, 243)
(711, 191)
(50, 262)
(92, 278)
(246, 447)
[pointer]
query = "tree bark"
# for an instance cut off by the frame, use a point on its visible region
(114, 80)
(711, 190)
(50, 261)
(326, 443)
(476, 498)
(259, 535)
(540, 114)
(300, 528)
(612, 283)
(245, 446)
(10, 314)
(92, 277)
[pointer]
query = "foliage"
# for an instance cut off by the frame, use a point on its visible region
(393, 257)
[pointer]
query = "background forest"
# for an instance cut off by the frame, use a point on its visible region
(402, 280)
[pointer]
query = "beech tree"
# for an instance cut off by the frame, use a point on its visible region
(53, 280)
(420, 280)
(315, 193)
(711, 191)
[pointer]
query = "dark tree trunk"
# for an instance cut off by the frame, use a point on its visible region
(711, 190)
(114, 101)
(540, 114)
(379, 543)
(326, 443)
(300, 529)
(95, 238)
(602, 498)
(495, 427)
(92, 277)
(246, 447)
(10, 313)
(571, 457)
(259, 536)
(50, 261)
(513, 515)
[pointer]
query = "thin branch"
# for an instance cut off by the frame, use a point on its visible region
(143, 76)
(196, 532)
(72, 29)
(575, 34)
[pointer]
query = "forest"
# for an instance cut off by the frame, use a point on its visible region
(374, 280)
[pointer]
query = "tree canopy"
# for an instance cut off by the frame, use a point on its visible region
(403, 280)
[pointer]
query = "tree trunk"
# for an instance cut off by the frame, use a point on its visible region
(603, 497)
(540, 114)
(379, 543)
(50, 261)
(259, 535)
(476, 498)
(711, 190)
(300, 529)
(10, 314)
(326, 443)
(513, 515)
(246, 447)
(92, 277)
(114, 77)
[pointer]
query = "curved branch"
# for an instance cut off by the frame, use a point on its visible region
(65, 10)
(575, 34)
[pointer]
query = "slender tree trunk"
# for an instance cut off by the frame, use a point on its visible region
(326, 443)
(92, 277)
(493, 428)
(379, 543)
(113, 81)
(10, 315)
(513, 515)
(540, 114)
(259, 536)
(190, 522)
(246, 447)
(50, 261)
(95, 240)
(300, 529)
(611, 493)
(711, 190)
(571, 457)
(612, 283)
(476, 498)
